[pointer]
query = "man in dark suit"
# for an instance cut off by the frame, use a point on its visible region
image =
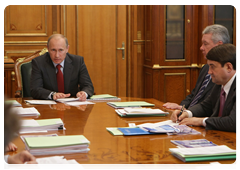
(218, 110)
(58, 74)
(213, 35)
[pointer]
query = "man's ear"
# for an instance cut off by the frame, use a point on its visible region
(229, 66)
(220, 42)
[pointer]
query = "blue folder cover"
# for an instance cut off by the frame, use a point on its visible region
(134, 131)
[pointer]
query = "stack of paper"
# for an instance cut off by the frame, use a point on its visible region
(168, 125)
(40, 102)
(204, 153)
(103, 97)
(31, 125)
(48, 145)
(137, 112)
(55, 160)
(25, 112)
(119, 105)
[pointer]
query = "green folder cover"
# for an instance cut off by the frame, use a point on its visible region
(55, 141)
(129, 104)
(44, 122)
(102, 96)
(204, 157)
(210, 158)
(115, 131)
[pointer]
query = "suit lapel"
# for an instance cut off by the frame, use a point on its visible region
(51, 71)
(68, 68)
(228, 103)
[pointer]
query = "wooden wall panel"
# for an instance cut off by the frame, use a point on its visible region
(97, 44)
(26, 20)
(148, 86)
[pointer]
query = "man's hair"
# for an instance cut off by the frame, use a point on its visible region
(219, 33)
(11, 124)
(223, 53)
(59, 36)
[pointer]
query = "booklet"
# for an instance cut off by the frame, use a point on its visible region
(193, 143)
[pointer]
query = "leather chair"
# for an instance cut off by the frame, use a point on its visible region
(23, 69)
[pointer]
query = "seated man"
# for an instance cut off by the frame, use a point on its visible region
(218, 111)
(58, 74)
(212, 36)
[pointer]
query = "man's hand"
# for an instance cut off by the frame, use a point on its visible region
(174, 116)
(192, 121)
(60, 95)
(169, 105)
(21, 158)
(82, 96)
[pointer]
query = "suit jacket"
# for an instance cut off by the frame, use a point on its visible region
(203, 72)
(44, 80)
(210, 108)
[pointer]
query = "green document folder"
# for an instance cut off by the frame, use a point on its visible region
(44, 122)
(55, 141)
(102, 96)
(129, 104)
(210, 158)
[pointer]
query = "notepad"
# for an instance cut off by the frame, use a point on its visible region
(118, 105)
(103, 97)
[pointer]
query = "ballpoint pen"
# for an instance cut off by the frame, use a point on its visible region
(180, 113)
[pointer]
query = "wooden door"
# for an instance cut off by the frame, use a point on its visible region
(101, 29)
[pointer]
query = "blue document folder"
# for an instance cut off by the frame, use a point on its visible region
(134, 131)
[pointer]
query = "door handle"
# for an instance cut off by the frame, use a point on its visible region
(123, 50)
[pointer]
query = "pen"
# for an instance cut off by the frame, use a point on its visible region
(181, 111)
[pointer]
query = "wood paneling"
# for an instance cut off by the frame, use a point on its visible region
(101, 29)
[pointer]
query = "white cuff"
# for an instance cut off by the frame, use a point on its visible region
(189, 113)
(204, 121)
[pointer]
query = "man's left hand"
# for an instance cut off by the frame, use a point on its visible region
(82, 96)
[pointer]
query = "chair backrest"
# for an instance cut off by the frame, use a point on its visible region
(23, 69)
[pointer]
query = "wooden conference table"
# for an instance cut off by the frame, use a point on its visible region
(92, 120)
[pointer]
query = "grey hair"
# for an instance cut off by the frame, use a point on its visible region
(219, 33)
(59, 36)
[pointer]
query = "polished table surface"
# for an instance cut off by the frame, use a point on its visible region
(92, 120)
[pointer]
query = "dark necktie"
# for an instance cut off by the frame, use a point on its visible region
(222, 102)
(201, 90)
(60, 80)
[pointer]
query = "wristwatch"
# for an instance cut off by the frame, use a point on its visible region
(52, 95)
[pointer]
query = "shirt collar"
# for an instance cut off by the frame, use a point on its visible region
(229, 84)
(62, 64)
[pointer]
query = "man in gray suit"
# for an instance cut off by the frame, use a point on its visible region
(218, 110)
(213, 35)
(75, 80)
